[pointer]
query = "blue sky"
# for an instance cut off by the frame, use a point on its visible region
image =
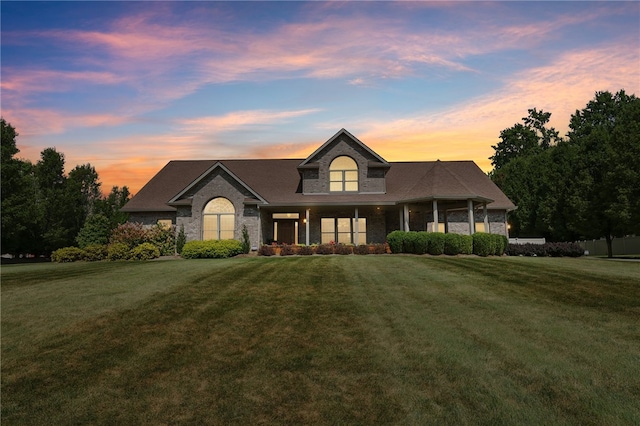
(128, 86)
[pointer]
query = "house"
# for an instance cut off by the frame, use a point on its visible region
(343, 192)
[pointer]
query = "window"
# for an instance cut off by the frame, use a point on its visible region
(343, 175)
(343, 230)
(218, 220)
(165, 223)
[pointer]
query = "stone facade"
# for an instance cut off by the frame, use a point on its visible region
(316, 180)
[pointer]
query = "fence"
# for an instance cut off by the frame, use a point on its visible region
(619, 246)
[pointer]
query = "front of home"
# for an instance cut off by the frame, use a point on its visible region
(343, 192)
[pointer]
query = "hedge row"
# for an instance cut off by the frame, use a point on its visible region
(212, 249)
(547, 249)
(115, 251)
(303, 250)
(437, 243)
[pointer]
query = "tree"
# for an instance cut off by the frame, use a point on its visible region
(18, 197)
(83, 190)
(607, 136)
(95, 231)
(52, 205)
(524, 139)
(110, 206)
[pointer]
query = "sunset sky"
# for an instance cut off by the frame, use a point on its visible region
(128, 86)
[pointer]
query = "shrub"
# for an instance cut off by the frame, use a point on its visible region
(118, 251)
(131, 234)
(67, 254)
(266, 250)
(395, 240)
(305, 250)
(211, 249)
(416, 242)
(547, 249)
(500, 243)
(466, 244)
(379, 248)
(343, 249)
(145, 251)
(564, 249)
(163, 237)
(95, 252)
(436, 243)
(95, 231)
(324, 249)
(246, 243)
(452, 244)
(181, 240)
(287, 250)
(483, 244)
(361, 249)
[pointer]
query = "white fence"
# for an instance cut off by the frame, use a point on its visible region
(619, 246)
(527, 241)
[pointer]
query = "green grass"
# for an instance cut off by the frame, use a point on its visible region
(322, 339)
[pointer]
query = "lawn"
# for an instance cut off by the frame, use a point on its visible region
(388, 339)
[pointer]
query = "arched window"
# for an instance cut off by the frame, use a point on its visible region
(343, 175)
(218, 220)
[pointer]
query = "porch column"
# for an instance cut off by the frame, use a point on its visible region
(357, 230)
(472, 224)
(486, 219)
(406, 217)
(435, 216)
(401, 220)
(306, 222)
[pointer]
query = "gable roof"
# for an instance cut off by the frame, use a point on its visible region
(278, 182)
(217, 165)
(343, 132)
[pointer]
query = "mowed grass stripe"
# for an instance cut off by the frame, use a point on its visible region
(357, 339)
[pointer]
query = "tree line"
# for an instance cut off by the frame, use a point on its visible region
(43, 208)
(582, 186)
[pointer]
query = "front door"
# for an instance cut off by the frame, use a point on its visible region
(286, 231)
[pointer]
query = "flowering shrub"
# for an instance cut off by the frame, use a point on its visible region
(266, 250)
(163, 237)
(343, 249)
(325, 249)
(361, 249)
(287, 250)
(305, 250)
(129, 233)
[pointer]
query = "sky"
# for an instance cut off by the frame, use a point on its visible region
(129, 86)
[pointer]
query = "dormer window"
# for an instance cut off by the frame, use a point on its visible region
(343, 175)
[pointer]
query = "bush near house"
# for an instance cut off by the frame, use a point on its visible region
(212, 249)
(547, 249)
(305, 250)
(145, 251)
(395, 240)
(118, 251)
(266, 250)
(67, 254)
(436, 243)
(95, 252)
